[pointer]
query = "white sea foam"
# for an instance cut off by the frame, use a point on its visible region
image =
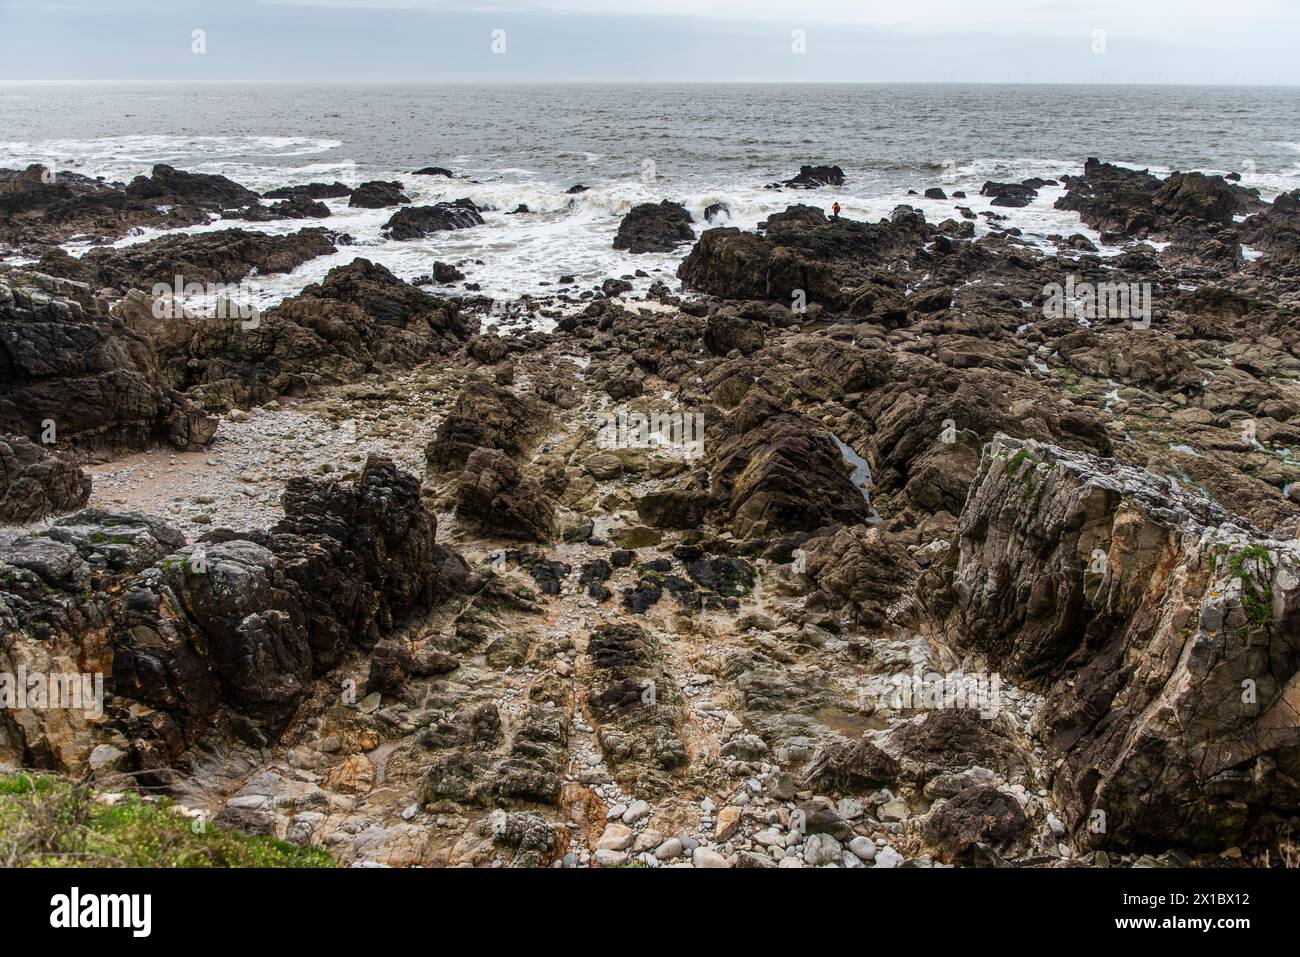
(516, 254)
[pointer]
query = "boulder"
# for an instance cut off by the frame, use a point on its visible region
(493, 496)
(654, 228)
(377, 194)
(413, 222)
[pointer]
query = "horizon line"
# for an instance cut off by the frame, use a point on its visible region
(673, 82)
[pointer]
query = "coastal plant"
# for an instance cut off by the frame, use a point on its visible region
(48, 821)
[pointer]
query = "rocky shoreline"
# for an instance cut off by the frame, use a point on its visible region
(863, 544)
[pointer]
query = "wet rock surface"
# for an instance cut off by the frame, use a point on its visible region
(651, 228)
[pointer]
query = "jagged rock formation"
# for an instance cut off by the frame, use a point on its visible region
(75, 374)
(44, 207)
(226, 256)
(413, 222)
(1164, 634)
(225, 634)
(34, 483)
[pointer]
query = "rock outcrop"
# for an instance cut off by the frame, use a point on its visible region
(225, 256)
(75, 375)
(35, 484)
(651, 228)
(42, 207)
(1163, 632)
(413, 222)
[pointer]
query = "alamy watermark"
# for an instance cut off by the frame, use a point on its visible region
(932, 691)
(228, 301)
(655, 430)
(1092, 301)
(53, 691)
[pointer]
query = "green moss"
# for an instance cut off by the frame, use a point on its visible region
(50, 822)
(1258, 604)
(1017, 459)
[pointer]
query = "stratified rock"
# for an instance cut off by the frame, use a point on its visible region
(780, 472)
(58, 588)
(636, 704)
(726, 331)
(75, 370)
(486, 416)
(42, 206)
(252, 618)
(35, 483)
(359, 318)
(223, 256)
(1165, 633)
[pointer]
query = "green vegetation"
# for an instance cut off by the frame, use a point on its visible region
(50, 822)
(1258, 604)
(1017, 459)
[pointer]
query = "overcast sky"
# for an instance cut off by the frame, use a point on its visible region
(1049, 41)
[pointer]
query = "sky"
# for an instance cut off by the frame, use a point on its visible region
(755, 41)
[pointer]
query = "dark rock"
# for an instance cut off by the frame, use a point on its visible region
(485, 416)
(412, 222)
(67, 362)
(446, 273)
(977, 815)
(224, 256)
(1009, 194)
(815, 177)
(253, 618)
(780, 472)
(378, 194)
(651, 228)
(35, 483)
(496, 498)
(335, 190)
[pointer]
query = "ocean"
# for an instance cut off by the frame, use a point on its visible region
(697, 144)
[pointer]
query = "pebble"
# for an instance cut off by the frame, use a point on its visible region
(617, 837)
(706, 857)
(895, 810)
(888, 857)
(728, 824)
(669, 849)
(864, 848)
(635, 812)
(822, 849)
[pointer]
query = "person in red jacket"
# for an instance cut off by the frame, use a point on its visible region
(835, 210)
